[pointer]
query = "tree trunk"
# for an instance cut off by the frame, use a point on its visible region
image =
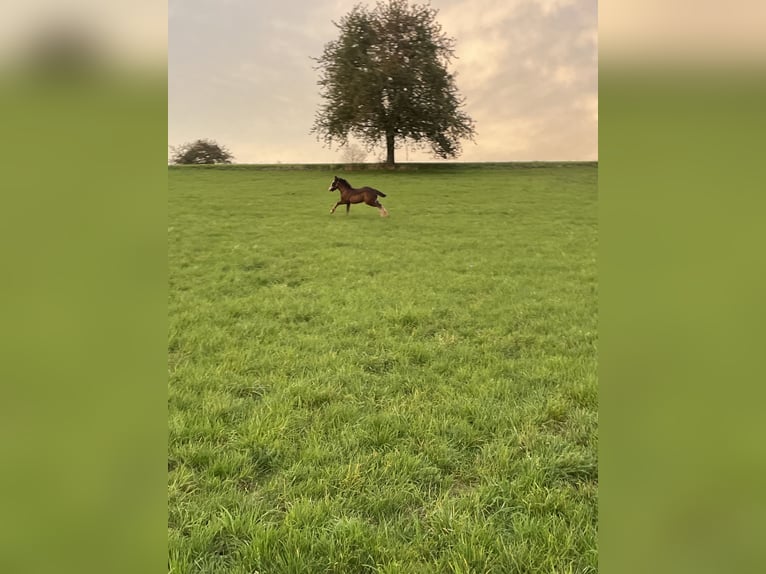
(390, 150)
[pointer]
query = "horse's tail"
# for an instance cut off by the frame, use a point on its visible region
(380, 193)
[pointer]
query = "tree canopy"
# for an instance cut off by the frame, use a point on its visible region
(385, 79)
(201, 151)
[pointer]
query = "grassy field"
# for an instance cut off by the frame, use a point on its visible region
(410, 394)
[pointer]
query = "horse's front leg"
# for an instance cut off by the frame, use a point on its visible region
(334, 206)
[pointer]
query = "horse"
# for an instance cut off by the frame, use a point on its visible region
(349, 195)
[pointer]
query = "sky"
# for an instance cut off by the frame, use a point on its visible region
(240, 72)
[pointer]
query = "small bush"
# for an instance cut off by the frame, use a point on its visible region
(201, 152)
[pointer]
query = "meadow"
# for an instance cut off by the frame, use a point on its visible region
(351, 393)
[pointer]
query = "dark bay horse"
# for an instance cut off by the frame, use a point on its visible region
(349, 195)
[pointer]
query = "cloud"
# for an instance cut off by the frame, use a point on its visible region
(525, 69)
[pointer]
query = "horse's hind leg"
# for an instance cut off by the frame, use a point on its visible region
(381, 209)
(348, 206)
(373, 202)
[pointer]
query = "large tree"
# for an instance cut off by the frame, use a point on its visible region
(385, 79)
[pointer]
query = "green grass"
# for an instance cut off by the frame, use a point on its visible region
(407, 394)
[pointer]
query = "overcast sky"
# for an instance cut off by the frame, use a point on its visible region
(240, 72)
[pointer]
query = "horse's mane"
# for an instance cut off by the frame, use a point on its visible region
(344, 181)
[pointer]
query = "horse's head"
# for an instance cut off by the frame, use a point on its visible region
(334, 184)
